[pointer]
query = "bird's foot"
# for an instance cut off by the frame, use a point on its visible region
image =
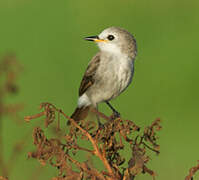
(100, 126)
(115, 115)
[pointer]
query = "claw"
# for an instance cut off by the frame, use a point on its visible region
(116, 114)
(100, 126)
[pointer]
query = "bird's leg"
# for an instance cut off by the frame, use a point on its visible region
(100, 125)
(116, 114)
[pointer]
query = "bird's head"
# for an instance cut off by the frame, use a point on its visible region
(115, 40)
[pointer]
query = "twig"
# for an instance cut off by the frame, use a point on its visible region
(98, 152)
(192, 172)
(152, 149)
(82, 148)
(89, 170)
(28, 118)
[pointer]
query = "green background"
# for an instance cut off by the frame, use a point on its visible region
(47, 37)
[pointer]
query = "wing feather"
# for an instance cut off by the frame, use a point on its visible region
(88, 78)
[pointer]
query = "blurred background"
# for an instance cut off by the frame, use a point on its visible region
(47, 37)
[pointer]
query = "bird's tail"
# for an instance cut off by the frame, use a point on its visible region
(79, 114)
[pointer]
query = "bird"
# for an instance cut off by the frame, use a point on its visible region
(108, 73)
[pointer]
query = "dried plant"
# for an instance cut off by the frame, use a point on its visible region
(3, 178)
(192, 172)
(9, 70)
(107, 144)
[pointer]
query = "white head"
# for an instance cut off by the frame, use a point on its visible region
(115, 40)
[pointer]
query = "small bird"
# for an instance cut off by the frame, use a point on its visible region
(109, 72)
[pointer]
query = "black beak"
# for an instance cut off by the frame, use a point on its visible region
(91, 38)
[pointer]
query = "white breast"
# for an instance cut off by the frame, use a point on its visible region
(113, 76)
(124, 73)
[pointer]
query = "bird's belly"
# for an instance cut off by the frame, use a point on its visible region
(111, 83)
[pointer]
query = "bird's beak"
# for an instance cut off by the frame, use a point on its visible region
(95, 38)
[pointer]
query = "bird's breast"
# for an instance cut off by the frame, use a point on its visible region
(113, 76)
(124, 72)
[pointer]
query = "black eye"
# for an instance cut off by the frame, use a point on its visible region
(110, 37)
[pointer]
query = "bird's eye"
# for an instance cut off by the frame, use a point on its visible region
(110, 37)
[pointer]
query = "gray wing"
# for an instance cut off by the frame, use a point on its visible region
(88, 78)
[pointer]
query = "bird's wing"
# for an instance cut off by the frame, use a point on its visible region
(88, 78)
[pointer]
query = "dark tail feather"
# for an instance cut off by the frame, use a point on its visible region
(79, 114)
